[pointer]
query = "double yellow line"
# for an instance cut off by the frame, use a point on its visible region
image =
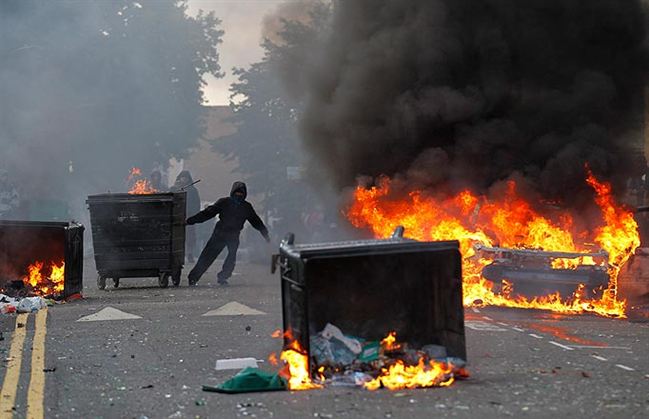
(36, 392)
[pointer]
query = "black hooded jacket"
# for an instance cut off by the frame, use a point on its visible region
(233, 212)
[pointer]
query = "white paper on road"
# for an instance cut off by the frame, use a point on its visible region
(108, 314)
(234, 309)
(235, 363)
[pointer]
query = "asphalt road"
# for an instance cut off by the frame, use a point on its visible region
(522, 363)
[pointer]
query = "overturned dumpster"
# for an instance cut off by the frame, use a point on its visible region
(137, 236)
(359, 308)
(41, 258)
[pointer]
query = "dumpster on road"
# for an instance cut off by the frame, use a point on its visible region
(137, 236)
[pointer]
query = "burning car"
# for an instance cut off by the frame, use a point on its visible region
(538, 272)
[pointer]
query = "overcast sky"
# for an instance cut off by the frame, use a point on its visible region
(242, 23)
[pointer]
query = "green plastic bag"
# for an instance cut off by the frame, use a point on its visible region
(250, 380)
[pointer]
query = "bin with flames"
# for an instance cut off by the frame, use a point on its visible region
(374, 308)
(41, 258)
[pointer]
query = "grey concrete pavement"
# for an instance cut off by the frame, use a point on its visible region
(522, 363)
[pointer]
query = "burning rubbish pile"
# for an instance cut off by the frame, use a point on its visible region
(340, 360)
(40, 279)
(138, 184)
(508, 244)
(41, 259)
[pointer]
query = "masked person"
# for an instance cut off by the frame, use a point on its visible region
(233, 212)
(156, 181)
(184, 182)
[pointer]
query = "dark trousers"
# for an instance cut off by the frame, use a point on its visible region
(214, 246)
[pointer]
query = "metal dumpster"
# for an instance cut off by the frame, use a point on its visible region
(137, 236)
(368, 288)
(23, 243)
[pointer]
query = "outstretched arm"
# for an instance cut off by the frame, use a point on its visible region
(258, 224)
(208, 213)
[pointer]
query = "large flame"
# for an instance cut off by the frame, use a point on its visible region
(509, 221)
(139, 186)
(45, 282)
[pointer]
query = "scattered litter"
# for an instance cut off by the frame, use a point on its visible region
(147, 386)
(236, 363)
(200, 402)
(31, 305)
(49, 369)
(10, 305)
(250, 380)
(434, 351)
(350, 379)
(331, 346)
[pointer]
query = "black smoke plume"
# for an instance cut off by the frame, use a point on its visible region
(470, 92)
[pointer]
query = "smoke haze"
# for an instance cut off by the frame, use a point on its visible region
(467, 93)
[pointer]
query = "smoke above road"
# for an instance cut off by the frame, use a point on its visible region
(465, 93)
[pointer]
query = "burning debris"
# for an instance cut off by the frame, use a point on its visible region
(388, 364)
(43, 259)
(139, 185)
(513, 223)
(45, 281)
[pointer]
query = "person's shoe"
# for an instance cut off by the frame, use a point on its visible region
(223, 282)
(192, 282)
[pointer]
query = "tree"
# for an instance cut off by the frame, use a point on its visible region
(266, 114)
(89, 89)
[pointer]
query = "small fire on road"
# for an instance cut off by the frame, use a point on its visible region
(509, 221)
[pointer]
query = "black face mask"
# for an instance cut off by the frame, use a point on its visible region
(238, 198)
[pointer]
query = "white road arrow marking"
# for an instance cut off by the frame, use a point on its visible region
(234, 309)
(109, 314)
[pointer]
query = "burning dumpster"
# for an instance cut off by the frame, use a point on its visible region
(138, 236)
(41, 258)
(369, 289)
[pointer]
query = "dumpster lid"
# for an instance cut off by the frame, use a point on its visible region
(22, 223)
(126, 197)
(365, 247)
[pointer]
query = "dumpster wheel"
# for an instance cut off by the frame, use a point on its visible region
(101, 282)
(163, 279)
(116, 282)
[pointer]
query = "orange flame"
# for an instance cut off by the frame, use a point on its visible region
(389, 343)
(510, 222)
(42, 283)
(297, 363)
(400, 376)
(140, 186)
